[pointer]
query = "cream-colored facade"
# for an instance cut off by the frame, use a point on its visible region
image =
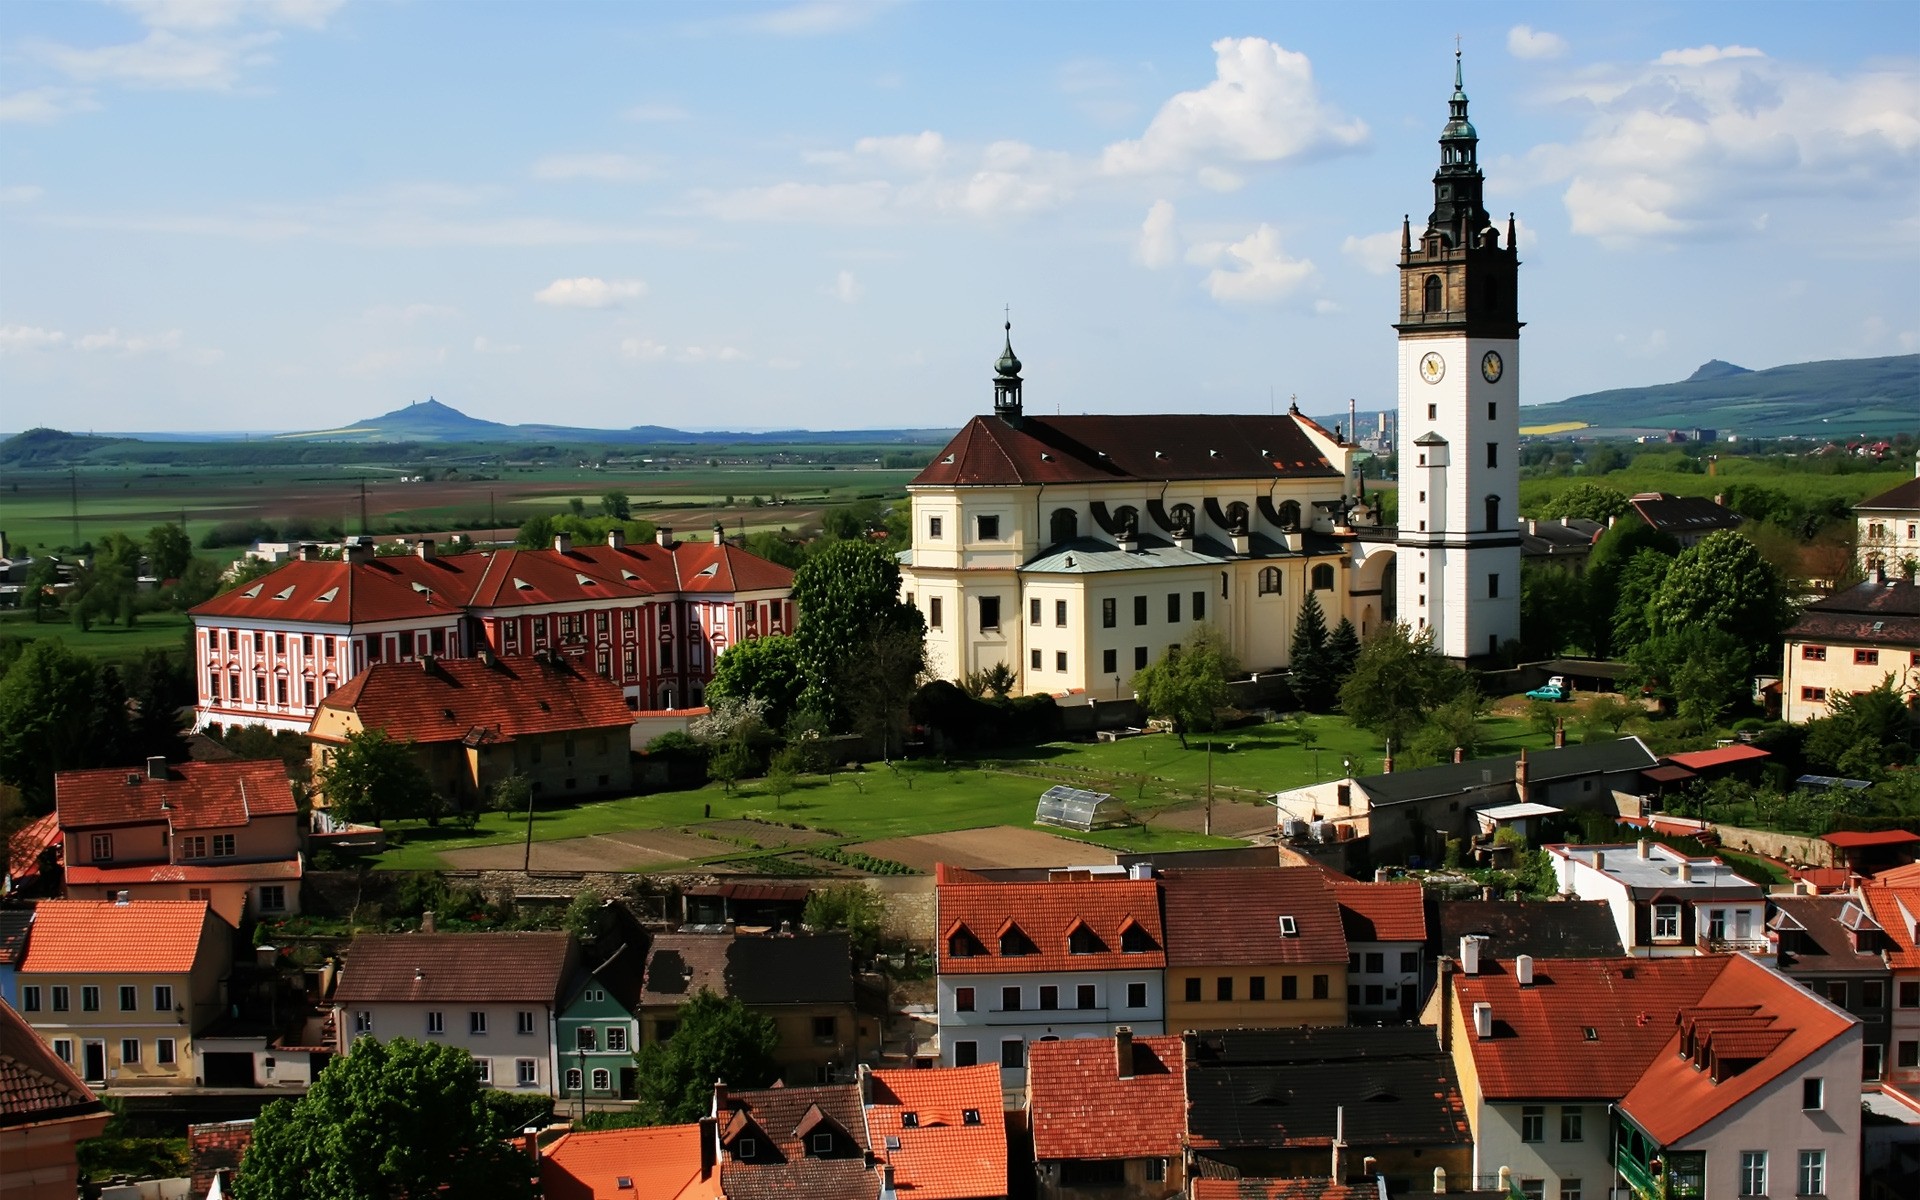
(1239, 996)
(1852, 641)
(1888, 535)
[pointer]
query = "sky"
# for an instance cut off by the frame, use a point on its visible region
(289, 214)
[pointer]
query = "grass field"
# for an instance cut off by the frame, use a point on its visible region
(155, 631)
(1658, 473)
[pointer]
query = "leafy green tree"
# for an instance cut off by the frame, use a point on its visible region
(1723, 583)
(1553, 611)
(372, 778)
(1343, 651)
(1398, 683)
(852, 908)
(42, 578)
(586, 918)
(1586, 501)
(879, 679)
(1454, 725)
(536, 533)
(767, 669)
(714, 1039)
(169, 550)
(391, 1119)
(1311, 671)
(1627, 537)
(775, 547)
(1639, 582)
(848, 597)
(196, 583)
(1863, 734)
(1702, 671)
(617, 506)
(730, 762)
(1188, 685)
(55, 716)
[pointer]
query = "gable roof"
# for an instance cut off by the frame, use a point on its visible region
(1903, 498)
(1079, 1107)
(1897, 910)
(1873, 613)
(1541, 928)
(35, 1086)
(1047, 913)
(662, 1162)
(1226, 915)
(1543, 766)
(1683, 514)
(804, 969)
(15, 925)
(496, 700)
(781, 1165)
(1751, 1026)
(1382, 912)
(26, 846)
(990, 451)
(423, 968)
(140, 937)
(1828, 926)
(956, 1148)
(194, 795)
(340, 592)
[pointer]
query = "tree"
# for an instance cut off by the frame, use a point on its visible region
(1701, 670)
(1343, 651)
(1585, 501)
(1454, 725)
(55, 717)
(1640, 580)
(767, 669)
(1398, 683)
(373, 778)
(1312, 672)
(169, 550)
(1616, 547)
(42, 578)
(391, 1119)
(730, 762)
(616, 505)
(1723, 583)
(536, 533)
(853, 908)
(879, 680)
(713, 1039)
(1553, 610)
(848, 596)
(1188, 685)
(1863, 734)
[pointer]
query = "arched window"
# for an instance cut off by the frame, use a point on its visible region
(1126, 519)
(1237, 517)
(1433, 294)
(1182, 516)
(1066, 525)
(1493, 512)
(1290, 515)
(1270, 581)
(1323, 577)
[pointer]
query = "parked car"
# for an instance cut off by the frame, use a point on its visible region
(1556, 689)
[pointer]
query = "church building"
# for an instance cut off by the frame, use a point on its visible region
(1076, 550)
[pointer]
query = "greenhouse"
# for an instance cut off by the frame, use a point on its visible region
(1075, 808)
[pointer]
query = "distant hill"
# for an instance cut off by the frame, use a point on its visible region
(432, 421)
(45, 447)
(1836, 398)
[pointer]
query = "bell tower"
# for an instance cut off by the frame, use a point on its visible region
(1458, 438)
(1006, 383)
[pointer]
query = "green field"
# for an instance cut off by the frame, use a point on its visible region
(153, 631)
(1660, 473)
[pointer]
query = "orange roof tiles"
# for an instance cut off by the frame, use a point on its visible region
(1080, 1107)
(1383, 912)
(448, 699)
(1674, 1097)
(252, 872)
(663, 1162)
(957, 1146)
(336, 592)
(27, 844)
(1725, 756)
(194, 795)
(1897, 909)
(143, 937)
(1038, 918)
(1222, 915)
(1905, 875)
(35, 1086)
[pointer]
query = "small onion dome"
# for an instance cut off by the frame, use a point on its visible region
(1008, 367)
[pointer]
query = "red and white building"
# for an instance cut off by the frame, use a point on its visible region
(652, 617)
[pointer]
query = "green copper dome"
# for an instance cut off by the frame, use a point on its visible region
(1009, 366)
(1457, 124)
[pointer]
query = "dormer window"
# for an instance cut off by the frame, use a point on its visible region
(821, 1143)
(909, 1120)
(962, 944)
(1081, 939)
(1136, 940)
(1015, 943)
(743, 1149)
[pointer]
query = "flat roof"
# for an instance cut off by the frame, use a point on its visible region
(1660, 870)
(1516, 812)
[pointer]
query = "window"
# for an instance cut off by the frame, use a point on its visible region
(1256, 987)
(1009, 999)
(213, 685)
(89, 999)
(1430, 295)
(825, 1029)
(436, 1022)
(1493, 414)
(1289, 987)
(1907, 1054)
(273, 898)
(1865, 658)
(1083, 996)
(602, 1080)
(486, 1069)
(1173, 608)
(1533, 1189)
(523, 1023)
(1193, 988)
(1873, 994)
(1570, 1189)
(129, 1052)
(1753, 1172)
(363, 1021)
(163, 1051)
(1813, 653)
(990, 614)
(526, 1072)
(1269, 581)
(63, 1047)
(223, 845)
(1109, 662)
(129, 998)
(1156, 1170)
(1376, 962)
(1815, 695)
(936, 527)
(307, 691)
(1493, 587)
(30, 999)
(1013, 1054)
(1666, 922)
(934, 616)
(61, 1001)
(102, 845)
(280, 692)
(1139, 658)
(1320, 987)
(1493, 454)
(1813, 1094)
(1493, 512)
(1533, 1123)
(1573, 1125)
(1409, 961)
(1323, 577)
(1199, 606)
(1136, 995)
(987, 529)
(573, 1080)
(1223, 988)
(966, 1054)
(477, 1021)
(1813, 1173)
(1033, 611)
(1837, 992)
(963, 999)
(586, 1038)
(1033, 659)
(1060, 614)
(1059, 660)
(1717, 924)
(617, 1038)
(1049, 996)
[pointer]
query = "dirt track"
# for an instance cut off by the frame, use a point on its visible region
(994, 846)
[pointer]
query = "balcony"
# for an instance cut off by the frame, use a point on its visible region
(1674, 1176)
(1729, 945)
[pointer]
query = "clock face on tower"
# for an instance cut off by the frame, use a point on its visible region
(1491, 366)
(1432, 367)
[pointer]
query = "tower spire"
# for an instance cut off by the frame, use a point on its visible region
(1006, 379)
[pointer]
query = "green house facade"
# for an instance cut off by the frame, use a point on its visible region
(598, 1031)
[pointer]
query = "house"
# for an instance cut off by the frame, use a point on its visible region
(1386, 928)
(1888, 536)
(1284, 1102)
(782, 1142)
(804, 983)
(1108, 1113)
(652, 618)
(1076, 954)
(1738, 761)
(1686, 519)
(45, 1112)
(33, 859)
(1853, 641)
(1665, 902)
(1833, 946)
(714, 907)
(939, 1134)
(660, 1162)
(1897, 911)
(1564, 544)
(226, 833)
(475, 721)
(599, 1022)
(1754, 1092)
(15, 924)
(1506, 929)
(1251, 947)
(120, 989)
(494, 995)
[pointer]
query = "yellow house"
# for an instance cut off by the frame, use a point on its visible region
(1853, 641)
(1253, 947)
(119, 989)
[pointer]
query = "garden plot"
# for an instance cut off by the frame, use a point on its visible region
(994, 846)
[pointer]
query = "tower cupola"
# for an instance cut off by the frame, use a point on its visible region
(1006, 381)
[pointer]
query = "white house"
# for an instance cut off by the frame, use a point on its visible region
(1664, 902)
(1889, 527)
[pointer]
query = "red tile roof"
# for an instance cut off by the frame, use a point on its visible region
(1223, 915)
(157, 937)
(1700, 760)
(1282, 1189)
(1117, 912)
(957, 1146)
(1897, 909)
(194, 795)
(1853, 839)
(1079, 1107)
(450, 699)
(1874, 613)
(35, 1086)
(336, 592)
(662, 1162)
(779, 1121)
(26, 846)
(213, 1149)
(419, 968)
(1540, 1049)
(990, 451)
(1383, 912)
(1905, 875)
(1749, 1012)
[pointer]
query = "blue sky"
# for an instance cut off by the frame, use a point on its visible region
(287, 214)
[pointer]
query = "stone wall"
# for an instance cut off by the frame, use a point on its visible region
(1788, 847)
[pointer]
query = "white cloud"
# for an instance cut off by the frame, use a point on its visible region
(1375, 252)
(189, 44)
(1159, 244)
(587, 291)
(710, 354)
(1326, 308)
(642, 348)
(1254, 269)
(606, 167)
(655, 114)
(910, 151)
(15, 339)
(1262, 107)
(482, 345)
(1700, 56)
(38, 106)
(646, 349)
(219, 14)
(1524, 41)
(813, 18)
(111, 341)
(21, 193)
(844, 288)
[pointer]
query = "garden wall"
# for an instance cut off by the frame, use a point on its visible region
(1788, 847)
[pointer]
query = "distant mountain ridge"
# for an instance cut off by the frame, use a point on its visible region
(433, 421)
(1836, 398)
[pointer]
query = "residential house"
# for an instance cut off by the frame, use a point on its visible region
(226, 833)
(1888, 535)
(1386, 928)
(1506, 929)
(599, 1022)
(1897, 911)
(1108, 1114)
(1755, 1092)
(805, 983)
(494, 995)
(33, 859)
(1738, 761)
(716, 907)
(120, 989)
(660, 1162)
(1284, 1102)
(781, 1142)
(1076, 954)
(1665, 902)
(938, 1134)
(1853, 641)
(651, 618)
(1251, 947)
(475, 721)
(1564, 544)
(1833, 946)
(15, 923)
(45, 1113)
(1686, 519)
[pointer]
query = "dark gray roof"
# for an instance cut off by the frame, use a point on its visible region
(1091, 555)
(1450, 779)
(811, 969)
(1683, 514)
(14, 924)
(1815, 935)
(1542, 928)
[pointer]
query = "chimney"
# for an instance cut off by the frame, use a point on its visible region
(1645, 850)
(1340, 1144)
(663, 536)
(1123, 1052)
(1599, 860)
(709, 1133)
(1459, 754)
(617, 539)
(1446, 1005)
(1523, 970)
(424, 548)
(719, 533)
(864, 1076)
(426, 663)
(1469, 955)
(420, 974)
(1380, 875)
(309, 552)
(1520, 773)
(357, 549)
(1439, 1181)
(1483, 1020)
(1686, 871)
(1369, 1167)
(1559, 734)
(719, 1097)
(485, 655)
(426, 921)
(886, 1182)
(562, 543)
(1386, 765)
(156, 767)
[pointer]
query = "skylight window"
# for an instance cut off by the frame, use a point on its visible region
(969, 1116)
(1590, 1033)
(910, 1120)
(1289, 927)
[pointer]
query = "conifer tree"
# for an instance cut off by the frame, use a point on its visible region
(1313, 670)
(1343, 650)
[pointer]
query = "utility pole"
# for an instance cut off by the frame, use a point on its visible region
(1209, 825)
(73, 498)
(363, 506)
(527, 866)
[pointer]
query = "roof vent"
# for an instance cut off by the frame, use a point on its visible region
(948, 459)
(623, 1181)
(252, 593)
(583, 580)
(419, 974)
(327, 596)
(522, 584)
(156, 766)
(1213, 454)
(628, 575)
(1469, 955)
(448, 713)
(1159, 453)
(1685, 870)
(1523, 970)
(1483, 1020)
(1590, 1033)
(1045, 457)
(133, 779)
(285, 593)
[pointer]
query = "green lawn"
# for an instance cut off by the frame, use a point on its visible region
(154, 631)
